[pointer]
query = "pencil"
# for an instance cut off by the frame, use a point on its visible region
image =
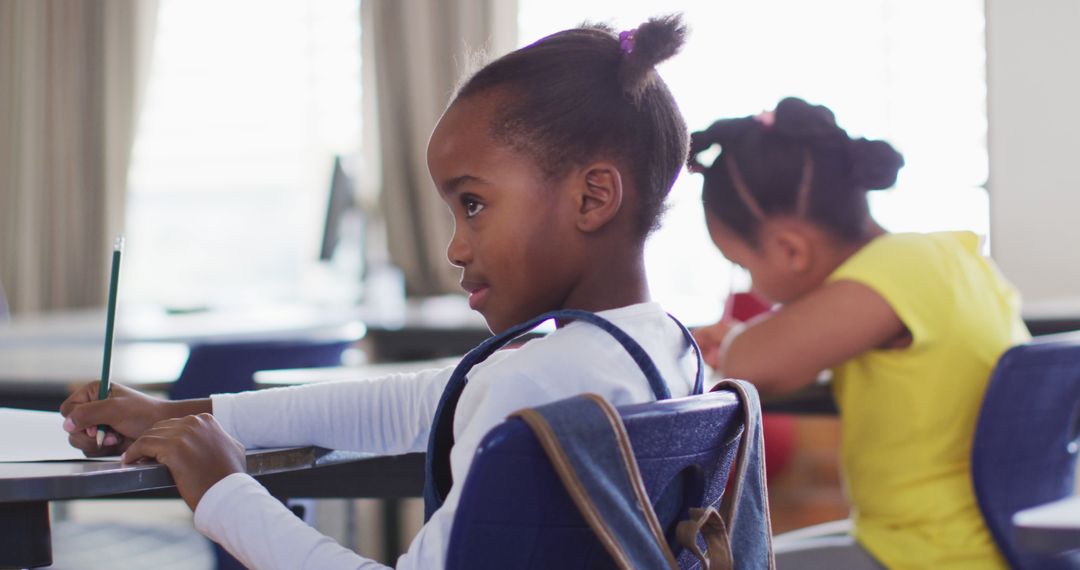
(110, 325)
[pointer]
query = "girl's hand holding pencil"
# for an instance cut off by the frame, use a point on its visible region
(129, 413)
(181, 434)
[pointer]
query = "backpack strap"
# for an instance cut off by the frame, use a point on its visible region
(741, 530)
(708, 524)
(441, 438)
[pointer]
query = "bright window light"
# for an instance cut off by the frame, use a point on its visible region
(248, 101)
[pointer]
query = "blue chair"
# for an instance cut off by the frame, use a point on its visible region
(1025, 447)
(228, 367)
(515, 513)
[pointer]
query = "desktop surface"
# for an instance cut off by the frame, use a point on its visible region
(87, 326)
(27, 488)
(1052, 528)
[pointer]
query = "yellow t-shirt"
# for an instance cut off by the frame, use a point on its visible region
(908, 414)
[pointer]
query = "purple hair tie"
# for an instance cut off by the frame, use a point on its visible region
(626, 42)
(766, 118)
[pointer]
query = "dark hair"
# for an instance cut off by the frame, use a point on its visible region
(583, 94)
(793, 161)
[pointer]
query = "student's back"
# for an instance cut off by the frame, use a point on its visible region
(909, 412)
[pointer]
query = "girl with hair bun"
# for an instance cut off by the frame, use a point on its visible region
(910, 326)
(554, 161)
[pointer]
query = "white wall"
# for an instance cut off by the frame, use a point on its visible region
(1033, 84)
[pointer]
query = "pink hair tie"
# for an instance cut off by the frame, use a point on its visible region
(626, 42)
(766, 118)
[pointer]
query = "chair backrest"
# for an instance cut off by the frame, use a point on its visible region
(515, 513)
(220, 367)
(1025, 447)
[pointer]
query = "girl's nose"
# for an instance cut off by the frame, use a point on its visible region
(458, 251)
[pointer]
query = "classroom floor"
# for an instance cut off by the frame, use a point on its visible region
(123, 535)
(88, 547)
(158, 534)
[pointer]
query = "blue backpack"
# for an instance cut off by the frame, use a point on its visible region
(586, 447)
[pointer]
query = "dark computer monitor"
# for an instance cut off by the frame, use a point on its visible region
(339, 202)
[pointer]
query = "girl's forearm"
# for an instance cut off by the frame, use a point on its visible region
(181, 408)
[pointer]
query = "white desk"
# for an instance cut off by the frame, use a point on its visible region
(40, 377)
(139, 364)
(42, 355)
(1049, 316)
(1057, 308)
(87, 327)
(1051, 528)
(418, 329)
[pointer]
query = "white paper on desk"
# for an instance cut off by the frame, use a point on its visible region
(36, 436)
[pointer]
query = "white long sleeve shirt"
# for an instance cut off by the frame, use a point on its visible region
(393, 415)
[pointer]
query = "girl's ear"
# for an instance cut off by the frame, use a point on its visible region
(794, 250)
(598, 195)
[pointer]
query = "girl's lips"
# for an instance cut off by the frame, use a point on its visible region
(477, 297)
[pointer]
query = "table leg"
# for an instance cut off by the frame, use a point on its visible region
(391, 520)
(25, 536)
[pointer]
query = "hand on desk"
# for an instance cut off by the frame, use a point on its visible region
(196, 450)
(182, 435)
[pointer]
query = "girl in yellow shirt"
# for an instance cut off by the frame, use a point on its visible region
(910, 325)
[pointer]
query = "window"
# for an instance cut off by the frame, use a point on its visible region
(910, 72)
(246, 106)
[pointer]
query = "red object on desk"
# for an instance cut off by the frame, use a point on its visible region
(778, 430)
(744, 306)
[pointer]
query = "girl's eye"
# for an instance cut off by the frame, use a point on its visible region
(472, 206)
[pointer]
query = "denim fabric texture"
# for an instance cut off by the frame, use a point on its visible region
(586, 438)
(747, 504)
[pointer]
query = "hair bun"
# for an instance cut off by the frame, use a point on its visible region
(653, 42)
(800, 120)
(874, 164)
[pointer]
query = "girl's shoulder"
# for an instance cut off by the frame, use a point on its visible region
(903, 256)
(932, 281)
(924, 243)
(582, 346)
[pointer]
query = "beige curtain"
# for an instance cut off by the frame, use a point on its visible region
(420, 49)
(71, 73)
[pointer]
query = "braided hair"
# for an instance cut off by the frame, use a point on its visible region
(589, 93)
(794, 161)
